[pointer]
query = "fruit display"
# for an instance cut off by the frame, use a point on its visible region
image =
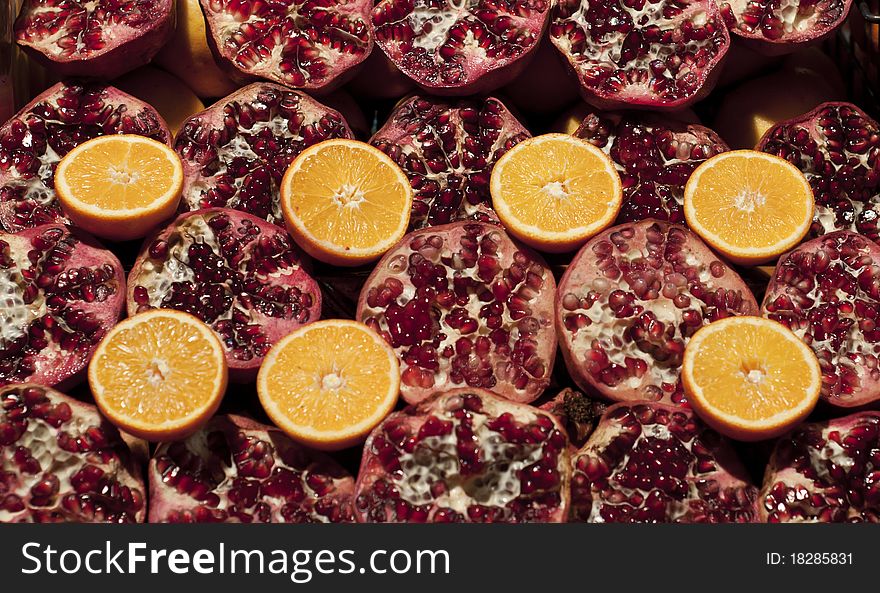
(528, 261)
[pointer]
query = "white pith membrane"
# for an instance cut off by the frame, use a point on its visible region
(694, 504)
(40, 439)
(260, 38)
(794, 19)
(15, 314)
(821, 469)
(855, 353)
(221, 474)
(636, 78)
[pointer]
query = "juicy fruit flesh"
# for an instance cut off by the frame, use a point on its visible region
(627, 327)
(654, 158)
(60, 462)
(295, 43)
(783, 20)
(465, 457)
(237, 152)
(59, 299)
(463, 306)
(752, 370)
(837, 147)
(452, 43)
(32, 144)
(657, 464)
(232, 473)
(448, 151)
(653, 52)
(121, 173)
(826, 473)
(828, 293)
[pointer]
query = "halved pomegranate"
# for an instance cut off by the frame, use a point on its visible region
(448, 150)
(654, 155)
(825, 472)
(465, 456)
(782, 26)
(61, 292)
(630, 301)
(94, 38)
(643, 54)
(50, 126)
(305, 44)
(657, 463)
(236, 470)
(828, 292)
(463, 304)
(837, 146)
(61, 462)
(236, 152)
(460, 48)
(239, 274)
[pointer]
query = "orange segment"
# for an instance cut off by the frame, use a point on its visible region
(555, 191)
(119, 186)
(345, 202)
(159, 375)
(750, 378)
(329, 383)
(750, 206)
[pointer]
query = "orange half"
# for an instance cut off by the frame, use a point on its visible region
(750, 378)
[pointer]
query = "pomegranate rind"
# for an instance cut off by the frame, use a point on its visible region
(827, 291)
(125, 46)
(538, 347)
(534, 436)
(331, 35)
(325, 491)
(653, 370)
(59, 119)
(469, 69)
(55, 365)
(848, 148)
(690, 474)
(594, 60)
(241, 167)
(824, 472)
(288, 275)
(84, 472)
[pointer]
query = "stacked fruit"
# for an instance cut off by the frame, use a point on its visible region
(295, 282)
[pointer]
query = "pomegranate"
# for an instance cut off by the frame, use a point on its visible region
(60, 461)
(645, 54)
(448, 150)
(95, 38)
(305, 44)
(826, 471)
(630, 301)
(50, 126)
(650, 462)
(778, 27)
(236, 470)
(61, 293)
(460, 47)
(239, 274)
(463, 304)
(654, 155)
(828, 292)
(466, 455)
(236, 152)
(577, 413)
(837, 146)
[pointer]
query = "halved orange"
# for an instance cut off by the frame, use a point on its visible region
(119, 186)
(555, 191)
(159, 375)
(345, 202)
(750, 378)
(329, 383)
(749, 205)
